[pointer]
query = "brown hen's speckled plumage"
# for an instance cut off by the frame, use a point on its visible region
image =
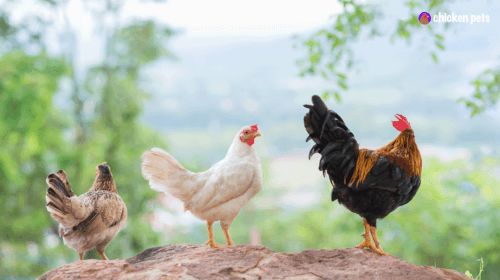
(90, 220)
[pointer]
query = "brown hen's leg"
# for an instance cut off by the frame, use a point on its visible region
(368, 241)
(211, 240)
(80, 256)
(228, 237)
(103, 256)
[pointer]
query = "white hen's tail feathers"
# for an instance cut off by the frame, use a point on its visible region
(63, 205)
(166, 174)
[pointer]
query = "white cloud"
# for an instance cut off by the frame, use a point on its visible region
(473, 69)
(303, 83)
(251, 105)
(218, 87)
(226, 105)
(239, 18)
(171, 104)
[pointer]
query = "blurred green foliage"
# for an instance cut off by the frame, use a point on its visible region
(478, 277)
(31, 136)
(486, 92)
(330, 50)
(96, 119)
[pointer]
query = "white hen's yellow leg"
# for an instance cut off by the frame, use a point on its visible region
(368, 241)
(228, 237)
(211, 240)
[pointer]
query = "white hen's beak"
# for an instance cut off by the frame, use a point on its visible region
(256, 134)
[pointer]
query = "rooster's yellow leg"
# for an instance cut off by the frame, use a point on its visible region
(375, 238)
(228, 237)
(366, 235)
(103, 256)
(368, 241)
(80, 256)
(211, 240)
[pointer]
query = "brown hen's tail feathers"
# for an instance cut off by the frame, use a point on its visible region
(63, 205)
(166, 174)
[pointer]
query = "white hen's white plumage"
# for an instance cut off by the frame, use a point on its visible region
(217, 194)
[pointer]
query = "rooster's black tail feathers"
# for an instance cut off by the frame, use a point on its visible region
(334, 141)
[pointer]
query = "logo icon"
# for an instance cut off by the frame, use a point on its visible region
(424, 18)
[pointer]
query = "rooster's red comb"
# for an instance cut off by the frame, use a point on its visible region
(254, 128)
(402, 123)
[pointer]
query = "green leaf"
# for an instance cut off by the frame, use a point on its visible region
(337, 97)
(434, 57)
(440, 46)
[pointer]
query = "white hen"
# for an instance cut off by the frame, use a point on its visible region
(217, 194)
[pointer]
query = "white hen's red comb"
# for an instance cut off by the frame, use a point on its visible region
(254, 128)
(402, 123)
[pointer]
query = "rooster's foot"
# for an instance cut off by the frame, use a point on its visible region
(369, 230)
(370, 245)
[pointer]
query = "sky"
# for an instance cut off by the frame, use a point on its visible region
(235, 65)
(238, 20)
(228, 61)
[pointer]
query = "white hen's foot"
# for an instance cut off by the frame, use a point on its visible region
(228, 237)
(211, 240)
(213, 244)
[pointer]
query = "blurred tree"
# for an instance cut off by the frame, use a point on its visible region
(31, 132)
(330, 52)
(98, 122)
(486, 93)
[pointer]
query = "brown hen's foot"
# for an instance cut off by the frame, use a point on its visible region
(368, 242)
(80, 256)
(103, 256)
(228, 237)
(211, 240)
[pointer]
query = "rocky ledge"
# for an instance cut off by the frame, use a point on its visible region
(188, 261)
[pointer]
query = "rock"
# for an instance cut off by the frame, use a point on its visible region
(188, 261)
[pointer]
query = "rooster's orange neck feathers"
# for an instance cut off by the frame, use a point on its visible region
(403, 151)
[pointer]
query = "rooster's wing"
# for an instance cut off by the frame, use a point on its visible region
(388, 176)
